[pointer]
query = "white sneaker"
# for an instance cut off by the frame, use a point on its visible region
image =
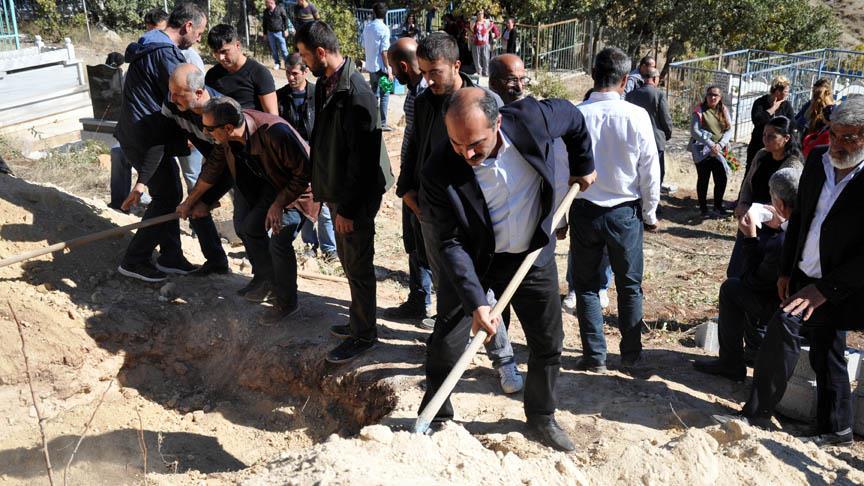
(604, 298)
(511, 379)
(569, 302)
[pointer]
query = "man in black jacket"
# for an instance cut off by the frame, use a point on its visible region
(150, 144)
(276, 25)
(748, 302)
(350, 172)
(296, 100)
(654, 101)
(820, 283)
(488, 195)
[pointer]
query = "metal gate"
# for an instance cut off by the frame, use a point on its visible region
(8, 26)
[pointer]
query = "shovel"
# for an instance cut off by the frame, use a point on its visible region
(424, 420)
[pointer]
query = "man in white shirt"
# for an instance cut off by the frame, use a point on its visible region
(376, 41)
(488, 197)
(820, 284)
(612, 211)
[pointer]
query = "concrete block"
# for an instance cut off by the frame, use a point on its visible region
(706, 337)
(799, 401)
(804, 371)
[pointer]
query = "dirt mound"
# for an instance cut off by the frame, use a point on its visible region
(734, 454)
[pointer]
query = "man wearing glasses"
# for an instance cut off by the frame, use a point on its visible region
(820, 284)
(269, 162)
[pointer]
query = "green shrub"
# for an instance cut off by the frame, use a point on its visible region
(548, 85)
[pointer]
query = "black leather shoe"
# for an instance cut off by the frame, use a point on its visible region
(349, 349)
(586, 365)
(550, 433)
(255, 282)
(718, 368)
(341, 331)
(279, 311)
(210, 268)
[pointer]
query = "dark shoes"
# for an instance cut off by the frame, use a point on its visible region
(261, 293)
(255, 282)
(279, 311)
(210, 268)
(180, 267)
(349, 349)
(719, 368)
(585, 364)
(142, 271)
(341, 331)
(547, 430)
(407, 310)
(633, 362)
(831, 439)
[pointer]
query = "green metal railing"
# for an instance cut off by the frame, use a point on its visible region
(8, 26)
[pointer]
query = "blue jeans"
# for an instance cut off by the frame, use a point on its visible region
(325, 239)
(383, 98)
(277, 46)
(284, 259)
(604, 265)
(619, 229)
(190, 168)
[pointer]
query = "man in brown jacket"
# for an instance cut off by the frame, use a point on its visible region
(269, 162)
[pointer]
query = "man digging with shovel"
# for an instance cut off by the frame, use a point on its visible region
(488, 194)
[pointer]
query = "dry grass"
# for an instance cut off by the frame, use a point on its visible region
(74, 167)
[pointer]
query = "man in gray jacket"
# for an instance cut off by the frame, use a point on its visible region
(654, 102)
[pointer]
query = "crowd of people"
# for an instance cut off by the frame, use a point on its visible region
(482, 170)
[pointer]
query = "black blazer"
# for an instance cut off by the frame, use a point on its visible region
(453, 203)
(841, 243)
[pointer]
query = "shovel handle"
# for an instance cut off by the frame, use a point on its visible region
(424, 420)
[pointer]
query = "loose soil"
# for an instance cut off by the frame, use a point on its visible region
(209, 394)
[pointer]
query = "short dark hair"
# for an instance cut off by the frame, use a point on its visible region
(295, 59)
(379, 9)
(185, 12)
(155, 16)
(115, 59)
(645, 60)
(438, 45)
(462, 103)
(220, 35)
(317, 34)
(225, 111)
(610, 67)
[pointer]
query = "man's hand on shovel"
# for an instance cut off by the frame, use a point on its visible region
(481, 320)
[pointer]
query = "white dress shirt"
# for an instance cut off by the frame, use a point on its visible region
(511, 188)
(811, 263)
(625, 154)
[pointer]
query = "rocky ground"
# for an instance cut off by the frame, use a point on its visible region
(200, 391)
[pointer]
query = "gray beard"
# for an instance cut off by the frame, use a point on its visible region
(849, 161)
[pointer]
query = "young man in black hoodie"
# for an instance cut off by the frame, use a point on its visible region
(150, 143)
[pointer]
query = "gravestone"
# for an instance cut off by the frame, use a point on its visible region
(106, 91)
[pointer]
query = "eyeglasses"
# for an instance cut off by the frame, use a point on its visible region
(211, 129)
(525, 80)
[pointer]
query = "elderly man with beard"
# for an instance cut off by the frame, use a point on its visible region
(820, 284)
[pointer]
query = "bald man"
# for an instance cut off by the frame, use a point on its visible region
(507, 77)
(402, 56)
(488, 196)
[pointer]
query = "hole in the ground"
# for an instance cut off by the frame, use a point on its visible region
(217, 359)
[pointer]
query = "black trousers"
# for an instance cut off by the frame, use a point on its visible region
(776, 361)
(744, 314)
(165, 190)
(538, 306)
(704, 170)
(356, 251)
(662, 158)
(272, 257)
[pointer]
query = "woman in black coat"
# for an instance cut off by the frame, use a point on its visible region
(775, 103)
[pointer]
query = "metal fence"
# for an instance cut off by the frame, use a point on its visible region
(744, 76)
(8, 26)
(558, 46)
(395, 20)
